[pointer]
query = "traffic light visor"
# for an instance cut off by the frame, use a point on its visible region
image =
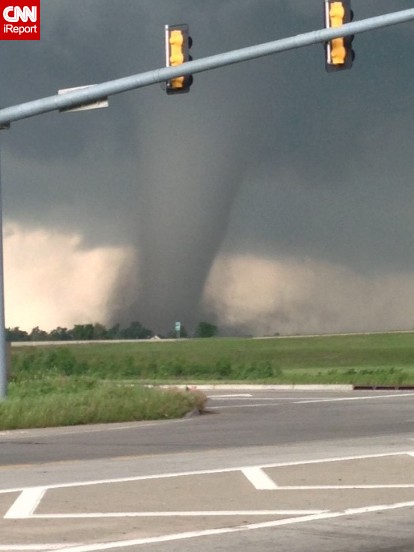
(177, 45)
(336, 14)
(339, 53)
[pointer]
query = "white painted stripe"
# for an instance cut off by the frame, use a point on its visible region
(214, 471)
(97, 547)
(378, 508)
(259, 479)
(341, 487)
(225, 407)
(267, 387)
(365, 398)
(234, 396)
(26, 503)
(34, 547)
(203, 513)
(273, 399)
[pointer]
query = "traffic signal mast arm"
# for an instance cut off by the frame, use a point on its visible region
(109, 88)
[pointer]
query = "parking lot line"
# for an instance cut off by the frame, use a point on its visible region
(187, 513)
(26, 503)
(34, 547)
(259, 479)
(30, 499)
(365, 398)
(213, 471)
(98, 547)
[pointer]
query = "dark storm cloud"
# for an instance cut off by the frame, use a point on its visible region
(271, 156)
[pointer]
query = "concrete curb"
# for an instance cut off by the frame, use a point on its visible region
(258, 387)
(288, 387)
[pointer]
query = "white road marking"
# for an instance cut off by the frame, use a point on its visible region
(227, 530)
(26, 503)
(365, 398)
(274, 399)
(259, 479)
(259, 484)
(233, 396)
(34, 547)
(189, 513)
(213, 471)
(237, 406)
(341, 487)
(258, 402)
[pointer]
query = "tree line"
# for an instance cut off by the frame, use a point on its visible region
(93, 332)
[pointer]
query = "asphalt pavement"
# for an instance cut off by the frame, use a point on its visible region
(323, 470)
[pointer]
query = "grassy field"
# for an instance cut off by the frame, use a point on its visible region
(105, 382)
(376, 359)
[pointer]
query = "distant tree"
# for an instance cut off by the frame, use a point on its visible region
(113, 331)
(16, 334)
(38, 335)
(205, 329)
(82, 332)
(135, 331)
(60, 334)
(99, 331)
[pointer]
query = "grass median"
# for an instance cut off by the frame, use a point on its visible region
(75, 401)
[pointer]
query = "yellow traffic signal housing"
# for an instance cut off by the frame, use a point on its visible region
(339, 52)
(177, 45)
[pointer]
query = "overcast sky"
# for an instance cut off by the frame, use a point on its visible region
(274, 197)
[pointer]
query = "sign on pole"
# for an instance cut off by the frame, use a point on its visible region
(84, 107)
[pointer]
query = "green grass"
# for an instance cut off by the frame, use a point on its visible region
(60, 404)
(376, 359)
(97, 383)
(51, 387)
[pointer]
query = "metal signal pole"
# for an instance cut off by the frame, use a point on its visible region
(3, 344)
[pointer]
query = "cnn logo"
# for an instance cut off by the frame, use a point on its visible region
(20, 20)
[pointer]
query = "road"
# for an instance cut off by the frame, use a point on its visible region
(307, 470)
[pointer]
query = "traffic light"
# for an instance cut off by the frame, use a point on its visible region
(177, 45)
(339, 52)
